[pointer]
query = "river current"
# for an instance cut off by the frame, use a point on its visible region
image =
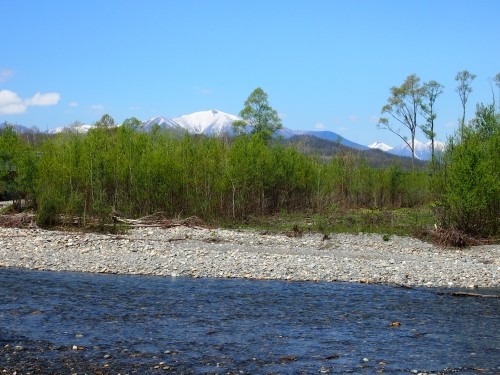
(75, 323)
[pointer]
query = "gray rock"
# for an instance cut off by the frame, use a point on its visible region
(184, 251)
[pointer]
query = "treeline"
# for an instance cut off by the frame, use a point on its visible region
(133, 173)
(123, 171)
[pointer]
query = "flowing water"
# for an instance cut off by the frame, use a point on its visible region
(75, 323)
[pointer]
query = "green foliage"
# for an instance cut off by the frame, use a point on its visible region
(431, 91)
(110, 171)
(403, 107)
(464, 88)
(50, 207)
(17, 167)
(471, 199)
(259, 116)
(106, 121)
(402, 222)
(408, 105)
(122, 171)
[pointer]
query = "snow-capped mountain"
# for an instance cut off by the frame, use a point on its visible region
(211, 122)
(214, 123)
(79, 129)
(423, 151)
(160, 121)
(380, 146)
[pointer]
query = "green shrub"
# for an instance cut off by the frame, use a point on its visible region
(471, 199)
(50, 207)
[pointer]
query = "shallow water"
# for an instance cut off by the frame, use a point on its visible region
(139, 324)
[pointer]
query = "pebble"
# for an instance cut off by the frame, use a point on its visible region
(191, 252)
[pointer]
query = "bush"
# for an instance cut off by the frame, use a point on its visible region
(49, 209)
(471, 199)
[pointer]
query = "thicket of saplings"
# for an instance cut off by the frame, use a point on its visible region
(127, 172)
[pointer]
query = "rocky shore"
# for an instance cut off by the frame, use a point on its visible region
(200, 252)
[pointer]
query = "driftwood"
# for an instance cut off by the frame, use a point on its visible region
(468, 294)
(160, 220)
(21, 220)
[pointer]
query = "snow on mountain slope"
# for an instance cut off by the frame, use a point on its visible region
(438, 146)
(403, 149)
(160, 121)
(211, 122)
(380, 146)
(423, 151)
(79, 129)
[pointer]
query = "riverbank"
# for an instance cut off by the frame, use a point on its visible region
(200, 252)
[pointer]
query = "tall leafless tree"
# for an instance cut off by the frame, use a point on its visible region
(464, 88)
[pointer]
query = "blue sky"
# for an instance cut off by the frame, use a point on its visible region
(325, 64)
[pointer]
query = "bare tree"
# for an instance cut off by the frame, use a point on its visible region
(464, 88)
(497, 83)
(431, 90)
(403, 106)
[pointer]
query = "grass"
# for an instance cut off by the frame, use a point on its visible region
(402, 222)
(416, 222)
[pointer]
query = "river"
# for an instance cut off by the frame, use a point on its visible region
(75, 323)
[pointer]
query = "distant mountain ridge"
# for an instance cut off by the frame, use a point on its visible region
(80, 129)
(211, 123)
(17, 128)
(215, 123)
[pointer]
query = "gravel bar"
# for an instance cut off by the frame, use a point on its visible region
(198, 252)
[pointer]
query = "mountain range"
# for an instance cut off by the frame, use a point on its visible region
(216, 123)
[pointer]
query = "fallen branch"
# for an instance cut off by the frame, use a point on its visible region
(468, 294)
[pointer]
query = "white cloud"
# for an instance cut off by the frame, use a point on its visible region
(73, 104)
(5, 74)
(12, 109)
(12, 104)
(49, 98)
(9, 97)
(319, 125)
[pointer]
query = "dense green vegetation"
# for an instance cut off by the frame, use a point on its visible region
(471, 179)
(123, 171)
